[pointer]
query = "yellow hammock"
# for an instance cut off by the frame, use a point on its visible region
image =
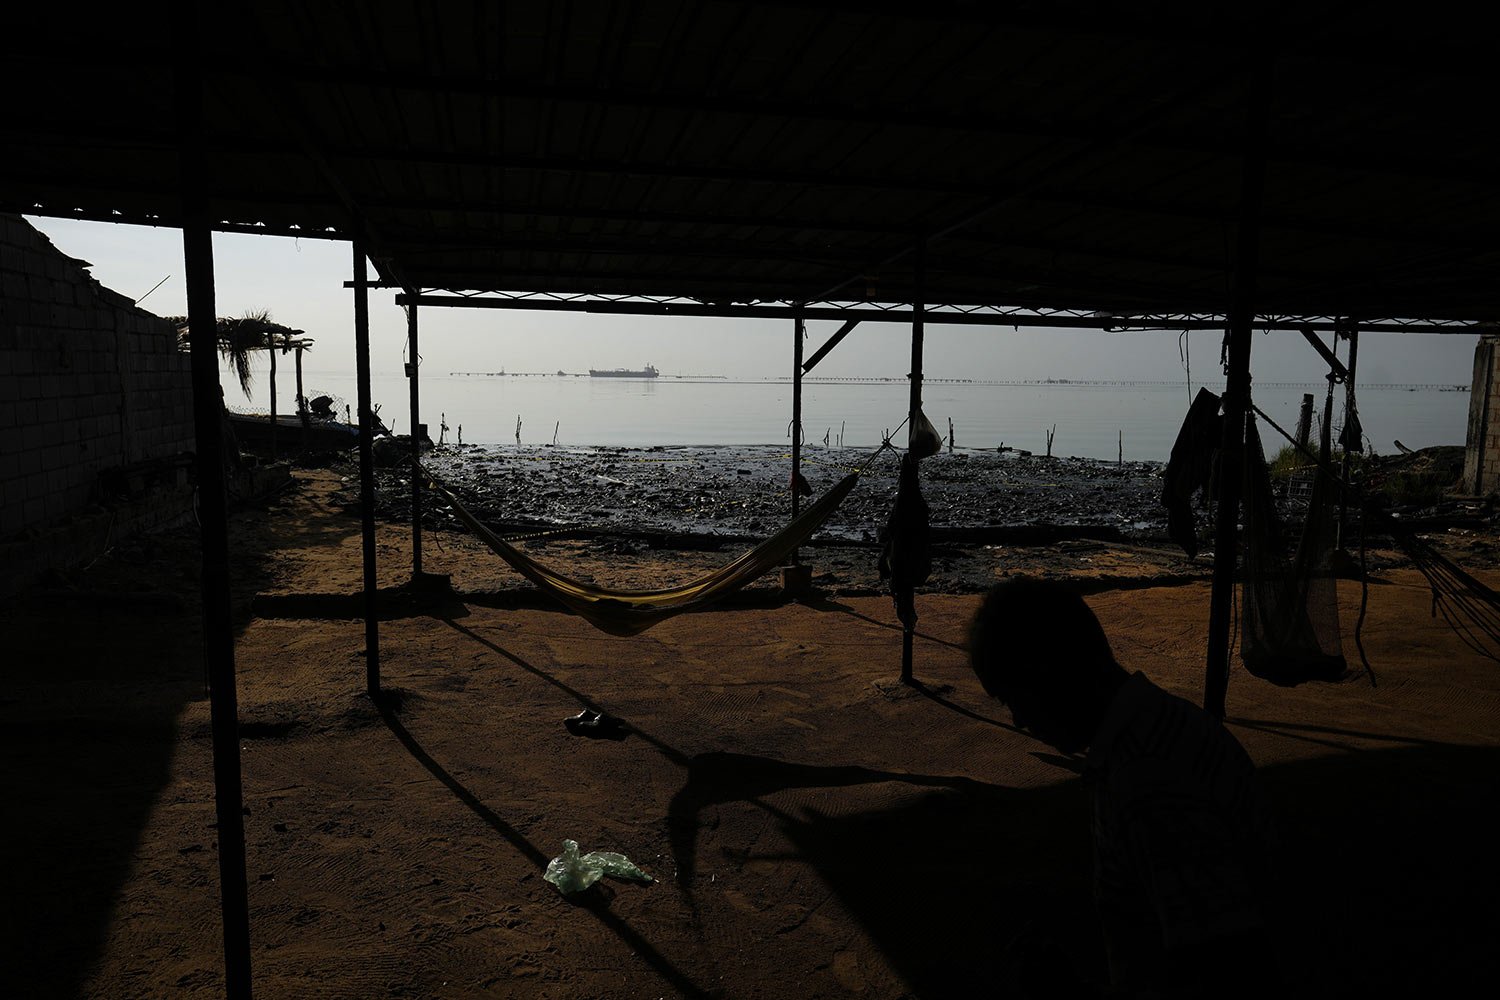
(630, 612)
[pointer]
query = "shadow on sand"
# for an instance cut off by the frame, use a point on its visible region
(1386, 877)
(89, 727)
(595, 901)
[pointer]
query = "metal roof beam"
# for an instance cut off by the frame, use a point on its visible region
(934, 314)
(831, 343)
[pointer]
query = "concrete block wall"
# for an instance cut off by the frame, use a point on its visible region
(88, 383)
(1482, 451)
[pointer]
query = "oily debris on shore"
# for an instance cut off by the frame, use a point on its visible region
(743, 491)
(992, 514)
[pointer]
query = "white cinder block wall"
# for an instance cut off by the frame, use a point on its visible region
(88, 383)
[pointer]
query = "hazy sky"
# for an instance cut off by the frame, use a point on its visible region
(300, 282)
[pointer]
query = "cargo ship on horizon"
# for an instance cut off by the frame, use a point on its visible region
(648, 372)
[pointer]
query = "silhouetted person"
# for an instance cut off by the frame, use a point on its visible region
(1179, 835)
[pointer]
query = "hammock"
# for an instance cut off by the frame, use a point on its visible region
(1290, 615)
(631, 612)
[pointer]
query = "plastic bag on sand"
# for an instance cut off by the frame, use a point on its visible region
(573, 872)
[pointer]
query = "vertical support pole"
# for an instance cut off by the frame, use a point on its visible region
(1349, 414)
(213, 512)
(798, 332)
(1325, 432)
(302, 401)
(366, 465)
(918, 316)
(1236, 394)
(271, 350)
(413, 369)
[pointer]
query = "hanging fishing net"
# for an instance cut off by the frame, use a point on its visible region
(1289, 622)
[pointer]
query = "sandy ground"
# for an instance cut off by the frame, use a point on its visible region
(816, 829)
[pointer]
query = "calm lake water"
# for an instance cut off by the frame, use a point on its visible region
(671, 411)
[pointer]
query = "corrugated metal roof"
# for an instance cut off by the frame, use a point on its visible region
(1061, 154)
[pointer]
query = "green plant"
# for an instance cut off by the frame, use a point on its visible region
(1286, 461)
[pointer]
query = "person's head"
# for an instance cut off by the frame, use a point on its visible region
(1037, 647)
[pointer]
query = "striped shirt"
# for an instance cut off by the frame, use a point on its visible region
(1179, 833)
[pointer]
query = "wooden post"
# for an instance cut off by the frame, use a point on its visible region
(1304, 420)
(1325, 432)
(271, 350)
(413, 371)
(914, 410)
(366, 465)
(1236, 395)
(213, 510)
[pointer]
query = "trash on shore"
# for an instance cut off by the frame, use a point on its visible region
(572, 872)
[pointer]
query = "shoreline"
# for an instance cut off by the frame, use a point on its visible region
(741, 491)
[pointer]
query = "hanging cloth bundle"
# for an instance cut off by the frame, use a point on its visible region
(906, 559)
(630, 612)
(1289, 622)
(923, 440)
(1191, 468)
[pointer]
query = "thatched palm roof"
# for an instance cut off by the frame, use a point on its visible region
(239, 336)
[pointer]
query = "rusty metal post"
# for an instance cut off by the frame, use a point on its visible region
(302, 402)
(1350, 414)
(798, 333)
(413, 370)
(213, 508)
(1236, 395)
(918, 308)
(366, 466)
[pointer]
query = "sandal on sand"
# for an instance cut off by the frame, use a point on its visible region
(596, 725)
